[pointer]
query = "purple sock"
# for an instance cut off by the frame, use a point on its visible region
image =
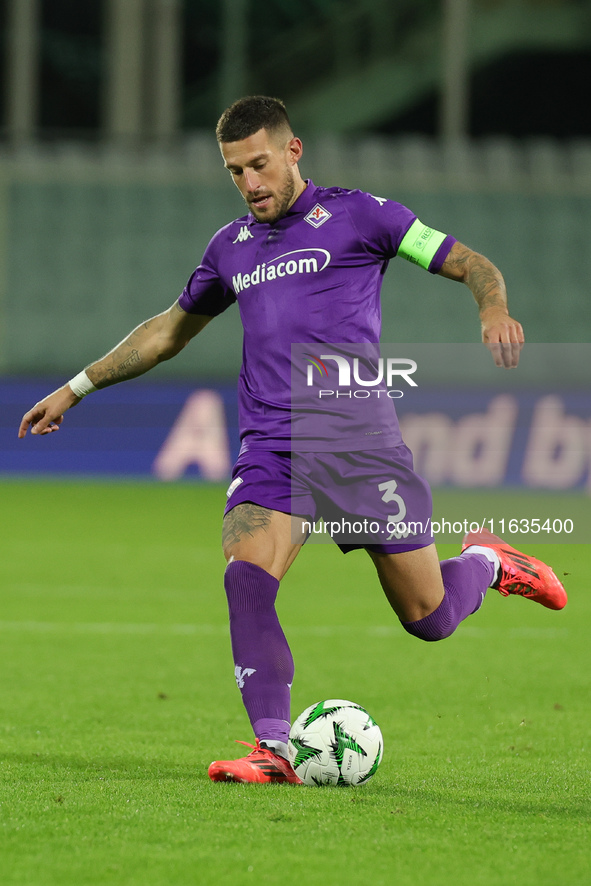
(263, 661)
(465, 579)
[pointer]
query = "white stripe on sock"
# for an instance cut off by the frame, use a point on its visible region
(278, 747)
(490, 555)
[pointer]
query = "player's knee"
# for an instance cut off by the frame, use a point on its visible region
(436, 626)
(426, 633)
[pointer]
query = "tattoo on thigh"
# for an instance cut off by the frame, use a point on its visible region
(244, 519)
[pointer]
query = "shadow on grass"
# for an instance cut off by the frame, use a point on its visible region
(485, 798)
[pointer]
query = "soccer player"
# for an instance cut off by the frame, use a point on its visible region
(305, 265)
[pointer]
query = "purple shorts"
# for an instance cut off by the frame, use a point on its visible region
(371, 499)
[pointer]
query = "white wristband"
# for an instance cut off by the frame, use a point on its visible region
(81, 384)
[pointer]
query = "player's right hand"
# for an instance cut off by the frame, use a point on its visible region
(47, 415)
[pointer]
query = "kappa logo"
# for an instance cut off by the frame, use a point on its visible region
(317, 216)
(380, 200)
(242, 673)
(243, 234)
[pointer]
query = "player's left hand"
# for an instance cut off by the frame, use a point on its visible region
(503, 336)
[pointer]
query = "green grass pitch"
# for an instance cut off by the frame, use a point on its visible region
(118, 691)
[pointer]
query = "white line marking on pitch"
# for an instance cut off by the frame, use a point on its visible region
(376, 631)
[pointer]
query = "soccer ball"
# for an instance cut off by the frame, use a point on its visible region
(335, 742)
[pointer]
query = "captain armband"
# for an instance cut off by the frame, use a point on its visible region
(420, 244)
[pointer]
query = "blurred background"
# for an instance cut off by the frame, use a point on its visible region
(472, 112)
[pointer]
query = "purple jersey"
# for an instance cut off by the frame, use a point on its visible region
(313, 276)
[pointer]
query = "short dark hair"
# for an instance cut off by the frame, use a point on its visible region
(247, 115)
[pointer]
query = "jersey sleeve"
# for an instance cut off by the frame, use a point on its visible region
(205, 293)
(391, 229)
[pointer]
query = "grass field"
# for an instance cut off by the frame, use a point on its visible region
(118, 691)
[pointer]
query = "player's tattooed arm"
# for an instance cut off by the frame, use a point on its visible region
(156, 339)
(501, 333)
(131, 357)
(484, 280)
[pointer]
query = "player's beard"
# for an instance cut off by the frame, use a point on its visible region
(283, 198)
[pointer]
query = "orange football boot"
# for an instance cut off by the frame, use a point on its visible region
(260, 766)
(520, 574)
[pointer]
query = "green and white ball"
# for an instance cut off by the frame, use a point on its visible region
(335, 742)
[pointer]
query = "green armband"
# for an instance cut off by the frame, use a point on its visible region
(420, 244)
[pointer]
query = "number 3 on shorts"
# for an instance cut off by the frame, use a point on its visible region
(390, 494)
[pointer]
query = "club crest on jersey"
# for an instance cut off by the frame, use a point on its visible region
(243, 234)
(317, 216)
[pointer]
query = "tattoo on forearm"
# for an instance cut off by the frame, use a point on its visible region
(244, 519)
(133, 358)
(483, 279)
(122, 370)
(123, 362)
(486, 283)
